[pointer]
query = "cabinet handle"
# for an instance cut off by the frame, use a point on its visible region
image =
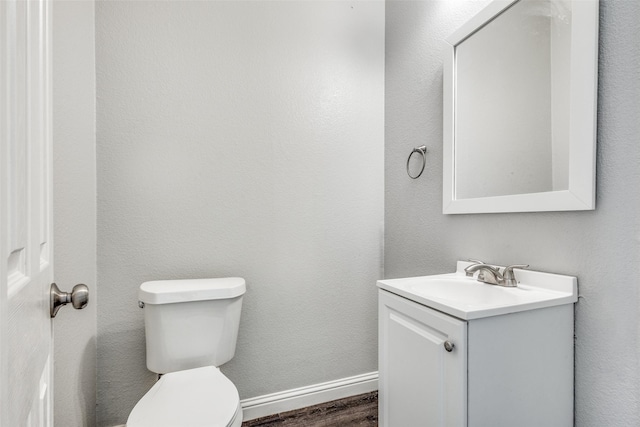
(448, 345)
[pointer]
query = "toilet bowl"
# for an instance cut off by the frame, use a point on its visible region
(201, 397)
(191, 328)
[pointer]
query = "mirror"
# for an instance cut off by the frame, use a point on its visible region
(520, 82)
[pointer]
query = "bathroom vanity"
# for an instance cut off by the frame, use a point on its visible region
(456, 352)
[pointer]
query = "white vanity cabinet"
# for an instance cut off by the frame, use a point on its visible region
(508, 370)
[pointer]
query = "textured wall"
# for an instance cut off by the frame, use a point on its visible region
(74, 203)
(242, 138)
(600, 247)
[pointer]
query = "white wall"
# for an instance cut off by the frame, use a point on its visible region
(601, 247)
(242, 138)
(74, 202)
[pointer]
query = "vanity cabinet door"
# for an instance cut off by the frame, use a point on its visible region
(421, 383)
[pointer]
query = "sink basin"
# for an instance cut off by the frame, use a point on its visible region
(464, 290)
(466, 298)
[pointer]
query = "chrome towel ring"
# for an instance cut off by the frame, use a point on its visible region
(422, 150)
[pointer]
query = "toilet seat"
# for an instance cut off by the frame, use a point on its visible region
(201, 397)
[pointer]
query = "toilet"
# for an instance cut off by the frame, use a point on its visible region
(191, 329)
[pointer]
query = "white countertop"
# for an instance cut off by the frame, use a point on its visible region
(466, 298)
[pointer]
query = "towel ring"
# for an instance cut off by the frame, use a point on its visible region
(422, 150)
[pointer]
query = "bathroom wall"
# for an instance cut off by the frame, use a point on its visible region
(74, 204)
(601, 247)
(242, 138)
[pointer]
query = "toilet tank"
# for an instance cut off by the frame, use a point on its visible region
(191, 323)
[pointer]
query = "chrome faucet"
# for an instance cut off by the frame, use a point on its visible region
(482, 269)
(492, 275)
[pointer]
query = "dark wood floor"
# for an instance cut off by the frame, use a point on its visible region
(361, 410)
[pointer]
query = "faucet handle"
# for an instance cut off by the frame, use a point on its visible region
(509, 276)
(475, 262)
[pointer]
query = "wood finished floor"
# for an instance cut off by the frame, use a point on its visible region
(360, 410)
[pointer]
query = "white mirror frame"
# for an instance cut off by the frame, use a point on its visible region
(582, 123)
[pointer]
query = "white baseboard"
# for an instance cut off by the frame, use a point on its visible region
(302, 397)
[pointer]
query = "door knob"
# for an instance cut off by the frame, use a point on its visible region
(78, 297)
(448, 345)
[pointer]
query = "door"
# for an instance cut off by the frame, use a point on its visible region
(26, 263)
(422, 381)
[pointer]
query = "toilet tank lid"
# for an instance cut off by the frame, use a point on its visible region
(171, 291)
